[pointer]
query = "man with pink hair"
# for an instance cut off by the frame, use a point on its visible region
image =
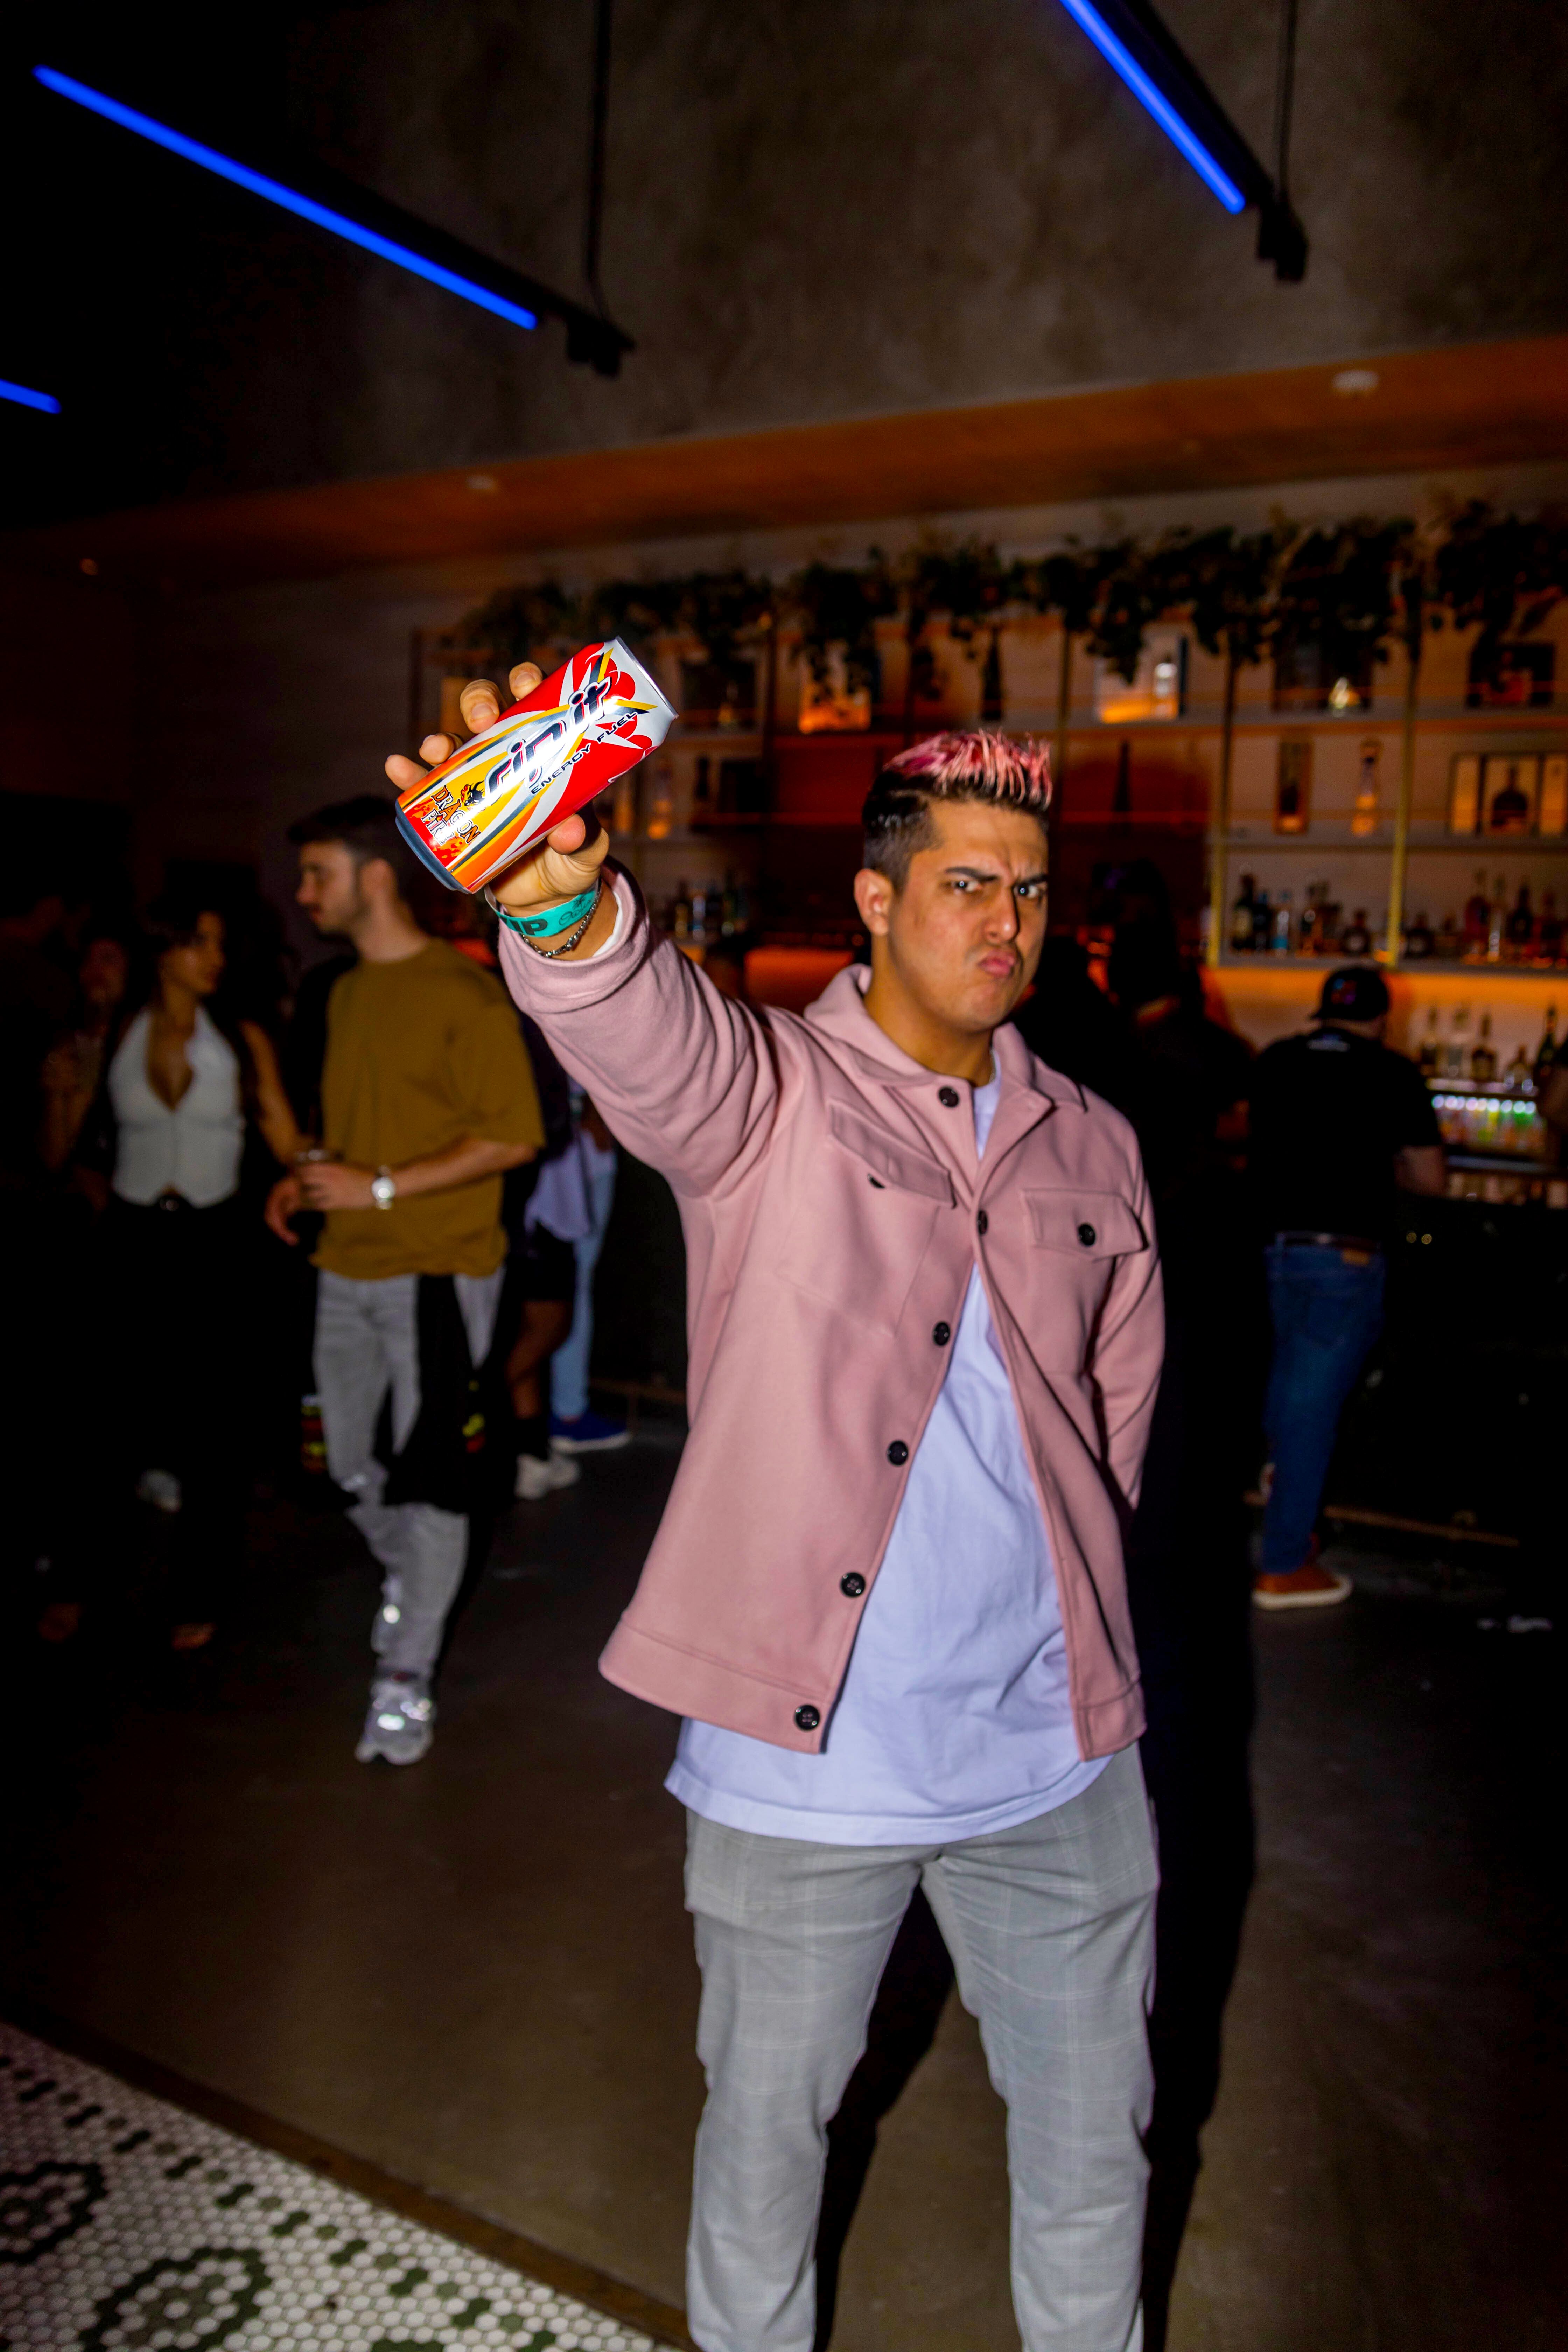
(887, 1596)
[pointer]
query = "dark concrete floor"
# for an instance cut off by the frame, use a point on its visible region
(477, 1974)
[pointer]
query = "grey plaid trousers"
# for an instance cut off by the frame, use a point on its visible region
(1051, 1927)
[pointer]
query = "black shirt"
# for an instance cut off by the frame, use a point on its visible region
(1329, 1111)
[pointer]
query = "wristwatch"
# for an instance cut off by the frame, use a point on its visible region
(383, 1188)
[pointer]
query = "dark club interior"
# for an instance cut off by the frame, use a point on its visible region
(784, 939)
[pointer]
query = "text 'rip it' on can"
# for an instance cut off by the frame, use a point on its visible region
(541, 761)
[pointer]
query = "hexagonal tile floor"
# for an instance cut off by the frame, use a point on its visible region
(129, 2225)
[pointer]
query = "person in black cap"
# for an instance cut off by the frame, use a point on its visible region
(1339, 1123)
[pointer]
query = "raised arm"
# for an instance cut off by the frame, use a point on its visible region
(685, 1077)
(274, 1111)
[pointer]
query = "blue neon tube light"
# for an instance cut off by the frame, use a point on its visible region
(275, 193)
(25, 398)
(1116, 53)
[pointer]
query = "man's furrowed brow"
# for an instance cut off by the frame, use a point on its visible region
(995, 873)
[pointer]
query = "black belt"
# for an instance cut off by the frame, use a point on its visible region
(1329, 1241)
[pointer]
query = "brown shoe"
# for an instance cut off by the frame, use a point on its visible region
(1308, 1586)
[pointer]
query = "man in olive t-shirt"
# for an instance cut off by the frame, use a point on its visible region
(420, 1052)
(428, 1098)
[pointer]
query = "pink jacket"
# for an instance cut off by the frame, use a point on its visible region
(834, 1209)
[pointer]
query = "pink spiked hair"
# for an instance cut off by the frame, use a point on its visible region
(975, 761)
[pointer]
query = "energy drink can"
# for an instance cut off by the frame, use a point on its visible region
(541, 761)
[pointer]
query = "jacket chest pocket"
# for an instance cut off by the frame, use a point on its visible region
(867, 1207)
(1078, 1238)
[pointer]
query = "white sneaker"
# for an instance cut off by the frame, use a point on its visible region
(535, 1479)
(400, 1723)
(160, 1488)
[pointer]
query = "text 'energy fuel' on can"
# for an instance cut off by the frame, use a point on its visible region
(542, 760)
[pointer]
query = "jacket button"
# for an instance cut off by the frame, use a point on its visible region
(898, 1453)
(942, 1334)
(853, 1585)
(1088, 1237)
(948, 1097)
(982, 1222)
(807, 1718)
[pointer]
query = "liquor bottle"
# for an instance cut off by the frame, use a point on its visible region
(1549, 940)
(1519, 1075)
(1448, 942)
(1241, 918)
(1262, 922)
(1497, 921)
(699, 897)
(1430, 1056)
(1547, 1051)
(1329, 924)
(1309, 928)
(1418, 940)
(1483, 1058)
(680, 912)
(1478, 914)
(661, 801)
(1364, 810)
(1283, 925)
(727, 908)
(1521, 926)
(624, 802)
(1357, 939)
(1458, 1058)
(1293, 787)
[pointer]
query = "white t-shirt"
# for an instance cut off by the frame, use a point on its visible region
(954, 1717)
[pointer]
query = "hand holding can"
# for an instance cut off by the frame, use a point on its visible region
(498, 796)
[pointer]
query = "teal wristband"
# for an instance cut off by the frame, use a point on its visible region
(553, 920)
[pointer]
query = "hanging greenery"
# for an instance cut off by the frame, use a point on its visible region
(837, 610)
(1135, 588)
(1068, 583)
(516, 625)
(1334, 594)
(726, 611)
(1229, 586)
(1334, 598)
(1499, 573)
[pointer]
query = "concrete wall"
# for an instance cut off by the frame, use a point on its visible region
(815, 209)
(859, 206)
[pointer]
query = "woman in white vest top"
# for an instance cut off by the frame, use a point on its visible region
(183, 1092)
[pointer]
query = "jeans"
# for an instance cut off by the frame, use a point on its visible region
(1326, 1314)
(569, 1364)
(1051, 1927)
(367, 1343)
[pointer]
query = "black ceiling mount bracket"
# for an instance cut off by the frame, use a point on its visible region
(592, 337)
(1141, 30)
(593, 230)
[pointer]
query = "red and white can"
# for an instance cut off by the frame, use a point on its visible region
(541, 761)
